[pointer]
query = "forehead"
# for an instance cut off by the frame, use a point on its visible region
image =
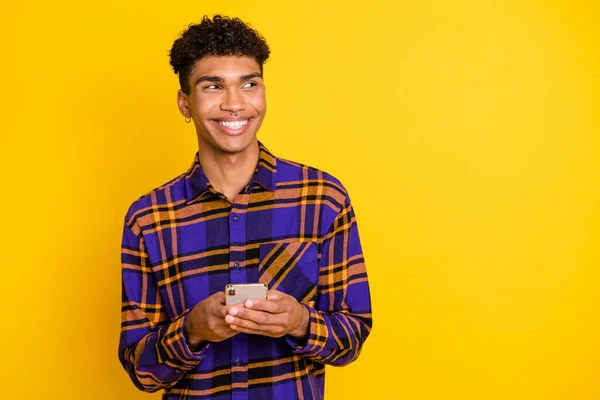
(225, 66)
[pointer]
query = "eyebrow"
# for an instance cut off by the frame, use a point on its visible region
(218, 79)
(251, 76)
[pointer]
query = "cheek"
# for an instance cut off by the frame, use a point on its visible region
(205, 106)
(259, 102)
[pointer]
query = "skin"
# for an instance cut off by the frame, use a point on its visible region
(219, 87)
(279, 315)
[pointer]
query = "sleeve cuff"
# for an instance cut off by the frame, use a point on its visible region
(173, 349)
(317, 335)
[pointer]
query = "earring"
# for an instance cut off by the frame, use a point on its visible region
(187, 120)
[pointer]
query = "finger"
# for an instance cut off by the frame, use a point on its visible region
(220, 296)
(219, 308)
(244, 323)
(254, 331)
(275, 295)
(271, 329)
(258, 317)
(273, 307)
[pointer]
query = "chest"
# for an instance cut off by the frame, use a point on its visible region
(197, 250)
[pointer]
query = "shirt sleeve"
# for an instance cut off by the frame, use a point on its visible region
(341, 319)
(152, 347)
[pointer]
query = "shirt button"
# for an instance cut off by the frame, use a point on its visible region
(236, 264)
(236, 218)
(237, 361)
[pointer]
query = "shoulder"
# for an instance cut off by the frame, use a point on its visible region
(292, 174)
(164, 197)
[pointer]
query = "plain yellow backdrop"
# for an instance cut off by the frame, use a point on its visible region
(467, 133)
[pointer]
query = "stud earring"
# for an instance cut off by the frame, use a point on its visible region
(187, 120)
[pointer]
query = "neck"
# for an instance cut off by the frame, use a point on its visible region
(229, 173)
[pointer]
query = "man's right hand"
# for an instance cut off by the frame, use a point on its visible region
(206, 322)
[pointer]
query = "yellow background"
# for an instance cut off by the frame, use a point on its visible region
(467, 133)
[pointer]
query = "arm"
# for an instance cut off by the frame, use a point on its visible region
(152, 348)
(341, 319)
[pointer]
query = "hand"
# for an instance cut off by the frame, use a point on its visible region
(205, 322)
(279, 315)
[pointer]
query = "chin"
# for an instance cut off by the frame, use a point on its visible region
(234, 146)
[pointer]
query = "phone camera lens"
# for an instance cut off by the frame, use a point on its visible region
(232, 292)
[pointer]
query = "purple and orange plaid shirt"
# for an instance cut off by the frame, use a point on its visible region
(293, 228)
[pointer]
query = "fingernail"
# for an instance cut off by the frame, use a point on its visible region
(249, 304)
(233, 311)
(229, 319)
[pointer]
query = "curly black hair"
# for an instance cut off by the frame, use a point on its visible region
(221, 36)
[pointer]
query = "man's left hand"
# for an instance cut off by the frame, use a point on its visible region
(279, 315)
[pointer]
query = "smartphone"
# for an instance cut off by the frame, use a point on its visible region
(237, 293)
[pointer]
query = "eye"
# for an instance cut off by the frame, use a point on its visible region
(249, 85)
(211, 87)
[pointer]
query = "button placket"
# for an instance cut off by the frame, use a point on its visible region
(237, 274)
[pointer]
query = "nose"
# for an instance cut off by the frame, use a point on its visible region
(233, 101)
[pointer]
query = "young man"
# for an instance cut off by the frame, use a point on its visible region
(238, 215)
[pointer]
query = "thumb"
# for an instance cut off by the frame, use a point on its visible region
(274, 295)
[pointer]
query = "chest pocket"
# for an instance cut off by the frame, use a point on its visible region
(291, 268)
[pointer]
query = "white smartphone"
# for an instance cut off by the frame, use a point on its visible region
(237, 293)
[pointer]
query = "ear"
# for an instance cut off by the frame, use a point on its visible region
(183, 102)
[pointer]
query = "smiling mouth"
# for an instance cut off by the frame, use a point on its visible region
(233, 124)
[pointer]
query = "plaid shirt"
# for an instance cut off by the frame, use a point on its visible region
(293, 228)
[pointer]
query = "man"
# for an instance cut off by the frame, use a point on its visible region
(238, 215)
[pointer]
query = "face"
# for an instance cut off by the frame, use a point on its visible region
(220, 88)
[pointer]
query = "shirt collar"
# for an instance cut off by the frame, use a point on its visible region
(197, 184)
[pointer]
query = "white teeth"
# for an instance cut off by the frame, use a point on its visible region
(233, 124)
